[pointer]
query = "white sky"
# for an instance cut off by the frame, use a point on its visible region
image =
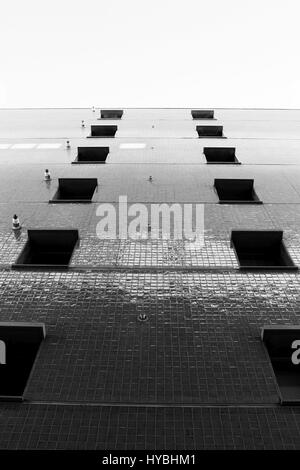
(154, 53)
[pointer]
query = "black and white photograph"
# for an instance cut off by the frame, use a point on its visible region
(149, 232)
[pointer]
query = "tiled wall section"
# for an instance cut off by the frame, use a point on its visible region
(93, 252)
(163, 150)
(170, 183)
(98, 427)
(148, 123)
(201, 343)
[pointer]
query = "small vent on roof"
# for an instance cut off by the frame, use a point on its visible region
(51, 249)
(75, 190)
(103, 131)
(261, 249)
(91, 155)
(202, 114)
(283, 346)
(111, 114)
(236, 191)
(220, 155)
(19, 345)
(207, 132)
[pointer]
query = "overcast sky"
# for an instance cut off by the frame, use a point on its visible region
(155, 53)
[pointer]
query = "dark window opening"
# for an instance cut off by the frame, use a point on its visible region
(111, 114)
(236, 191)
(75, 190)
(220, 155)
(261, 249)
(47, 249)
(103, 131)
(202, 114)
(283, 347)
(19, 345)
(91, 155)
(210, 131)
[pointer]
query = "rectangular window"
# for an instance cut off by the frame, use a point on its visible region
(91, 155)
(51, 249)
(202, 114)
(103, 131)
(111, 114)
(75, 190)
(283, 347)
(261, 249)
(236, 191)
(208, 132)
(220, 155)
(19, 345)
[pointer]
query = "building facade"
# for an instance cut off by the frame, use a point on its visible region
(150, 343)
